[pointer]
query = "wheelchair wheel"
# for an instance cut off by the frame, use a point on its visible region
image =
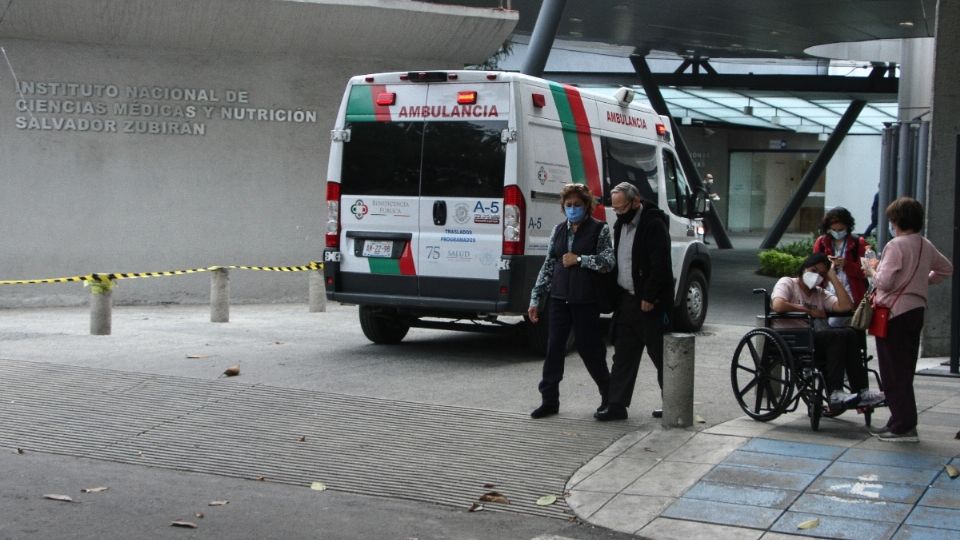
(815, 402)
(762, 374)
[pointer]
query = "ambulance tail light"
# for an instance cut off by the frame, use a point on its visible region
(539, 101)
(333, 215)
(514, 216)
(467, 97)
(661, 130)
(385, 99)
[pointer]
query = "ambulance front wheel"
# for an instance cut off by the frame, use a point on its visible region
(692, 311)
(383, 326)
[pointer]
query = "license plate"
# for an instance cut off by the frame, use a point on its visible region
(377, 248)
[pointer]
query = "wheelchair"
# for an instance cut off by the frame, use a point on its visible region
(773, 370)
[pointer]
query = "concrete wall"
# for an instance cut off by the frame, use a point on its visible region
(106, 186)
(943, 174)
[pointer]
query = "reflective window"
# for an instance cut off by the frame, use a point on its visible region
(382, 158)
(678, 192)
(625, 161)
(463, 159)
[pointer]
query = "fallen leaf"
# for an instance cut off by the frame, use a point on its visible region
(232, 371)
(198, 515)
(20, 450)
(957, 436)
(494, 497)
(546, 500)
(952, 471)
(185, 524)
(475, 507)
(570, 433)
(278, 343)
(262, 478)
(218, 503)
(648, 449)
(197, 356)
(809, 524)
(699, 419)
(488, 485)
(303, 438)
(94, 489)
(318, 486)
(139, 453)
(61, 498)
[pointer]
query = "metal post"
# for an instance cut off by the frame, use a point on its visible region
(904, 170)
(220, 295)
(922, 153)
(955, 285)
(101, 306)
(689, 168)
(888, 152)
(678, 361)
(318, 293)
(812, 174)
(544, 31)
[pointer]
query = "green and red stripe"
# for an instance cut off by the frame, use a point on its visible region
(581, 156)
(362, 104)
(404, 266)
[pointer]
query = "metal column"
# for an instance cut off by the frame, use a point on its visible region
(955, 285)
(888, 182)
(544, 31)
(689, 168)
(814, 172)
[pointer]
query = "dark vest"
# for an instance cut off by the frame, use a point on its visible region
(576, 285)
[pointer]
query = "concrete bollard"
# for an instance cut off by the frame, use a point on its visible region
(101, 307)
(220, 295)
(678, 356)
(318, 292)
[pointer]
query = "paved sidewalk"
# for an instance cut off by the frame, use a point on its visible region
(745, 479)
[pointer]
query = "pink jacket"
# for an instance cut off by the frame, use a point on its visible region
(897, 265)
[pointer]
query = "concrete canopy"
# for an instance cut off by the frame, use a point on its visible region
(457, 34)
(723, 29)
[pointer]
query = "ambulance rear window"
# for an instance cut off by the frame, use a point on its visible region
(625, 161)
(463, 159)
(382, 158)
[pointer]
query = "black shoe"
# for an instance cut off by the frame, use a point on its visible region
(657, 413)
(603, 404)
(611, 413)
(545, 410)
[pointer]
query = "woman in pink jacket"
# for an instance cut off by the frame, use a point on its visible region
(910, 263)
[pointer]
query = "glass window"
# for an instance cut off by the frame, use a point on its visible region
(382, 158)
(463, 159)
(678, 192)
(625, 161)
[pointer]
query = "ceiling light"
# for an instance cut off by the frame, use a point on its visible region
(575, 34)
(822, 137)
(748, 109)
(575, 20)
(736, 45)
(906, 24)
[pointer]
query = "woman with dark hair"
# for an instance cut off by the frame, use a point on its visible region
(844, 249)
(580, 247)
(908, 265)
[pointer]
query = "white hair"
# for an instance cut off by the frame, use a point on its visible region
(629, 190)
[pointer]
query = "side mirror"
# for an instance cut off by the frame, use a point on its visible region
(699, 203)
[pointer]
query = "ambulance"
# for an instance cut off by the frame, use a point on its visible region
(443, 189)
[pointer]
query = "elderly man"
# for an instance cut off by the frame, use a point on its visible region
(645, 278)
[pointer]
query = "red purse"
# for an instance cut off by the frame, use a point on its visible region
(881, 314)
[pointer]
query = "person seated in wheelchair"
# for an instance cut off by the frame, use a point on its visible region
(836, 349)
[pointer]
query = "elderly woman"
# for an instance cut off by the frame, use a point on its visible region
(910, 263)
(580, 249)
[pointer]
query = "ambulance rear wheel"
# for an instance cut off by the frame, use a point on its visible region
(692, 311)
(383, 326)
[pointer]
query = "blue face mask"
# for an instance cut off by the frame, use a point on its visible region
(839, 235)
(575, 214)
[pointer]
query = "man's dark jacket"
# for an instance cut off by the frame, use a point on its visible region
(652, 267)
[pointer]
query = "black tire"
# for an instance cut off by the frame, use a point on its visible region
(383, 326)
(815, 402)
(692, 311)
(761, 374)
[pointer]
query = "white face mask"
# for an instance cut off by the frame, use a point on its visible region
(811, 279)
(839, 235)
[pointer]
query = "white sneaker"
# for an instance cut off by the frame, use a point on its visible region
(869, 398)
(840, 399)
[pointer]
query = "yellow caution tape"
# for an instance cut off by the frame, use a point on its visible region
(102, 278)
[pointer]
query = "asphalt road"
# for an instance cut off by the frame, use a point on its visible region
(285, 346)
